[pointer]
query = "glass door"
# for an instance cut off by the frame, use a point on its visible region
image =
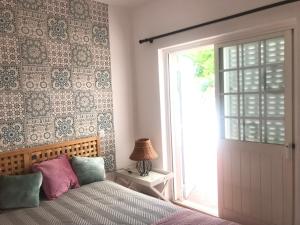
(194, 127)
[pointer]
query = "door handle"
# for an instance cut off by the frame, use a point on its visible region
(289, 150)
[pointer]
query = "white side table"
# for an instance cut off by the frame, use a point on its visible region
(154, 178)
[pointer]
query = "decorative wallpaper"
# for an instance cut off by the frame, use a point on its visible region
(55, 79)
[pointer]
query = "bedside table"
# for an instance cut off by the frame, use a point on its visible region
(154, 178)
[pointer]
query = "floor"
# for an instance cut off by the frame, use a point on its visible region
(202, 202)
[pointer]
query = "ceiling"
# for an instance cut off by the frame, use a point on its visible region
(125, 3)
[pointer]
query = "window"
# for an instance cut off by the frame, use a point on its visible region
(252, 91)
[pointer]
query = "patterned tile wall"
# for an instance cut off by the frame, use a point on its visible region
(55, 79)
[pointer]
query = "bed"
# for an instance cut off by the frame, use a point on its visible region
(97, 203)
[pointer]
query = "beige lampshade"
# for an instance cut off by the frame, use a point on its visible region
(143, 150)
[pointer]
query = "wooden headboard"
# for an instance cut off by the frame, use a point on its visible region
(20, 161)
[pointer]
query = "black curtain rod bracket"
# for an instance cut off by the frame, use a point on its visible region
(284, 2)
(146, 40)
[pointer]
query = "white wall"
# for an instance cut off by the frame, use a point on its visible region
(122, 83)
(161, 16)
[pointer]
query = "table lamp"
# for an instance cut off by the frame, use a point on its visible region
(143, 152)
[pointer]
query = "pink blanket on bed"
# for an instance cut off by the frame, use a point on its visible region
(189, 217)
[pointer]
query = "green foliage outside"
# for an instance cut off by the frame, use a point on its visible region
(203, 61)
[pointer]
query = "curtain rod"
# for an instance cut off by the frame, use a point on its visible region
(151, 39)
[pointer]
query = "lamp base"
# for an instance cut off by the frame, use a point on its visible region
(144, 167)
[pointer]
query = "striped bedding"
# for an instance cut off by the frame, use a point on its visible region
(104, 203)
(98, 203)
(189, 217)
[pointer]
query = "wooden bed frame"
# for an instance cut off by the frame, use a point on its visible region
(20, 161)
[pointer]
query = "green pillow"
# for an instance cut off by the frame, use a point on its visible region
(88, 169)
(20, 191)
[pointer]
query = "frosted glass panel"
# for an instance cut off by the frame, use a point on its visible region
(275, 105)
(262, 52)
(262, 106)
(253, 88)
(251, 105)
(275, 132)
(252, 130)
(250, 55)
(231, 105)
(241, 129)
(230, 81)
(251, 80)
(231, 129)
(274, 77)
(275, 50)
(230, 57)
(241, 105)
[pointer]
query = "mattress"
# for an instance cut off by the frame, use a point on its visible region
(98, 203)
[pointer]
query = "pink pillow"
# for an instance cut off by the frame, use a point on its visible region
(58, 176)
